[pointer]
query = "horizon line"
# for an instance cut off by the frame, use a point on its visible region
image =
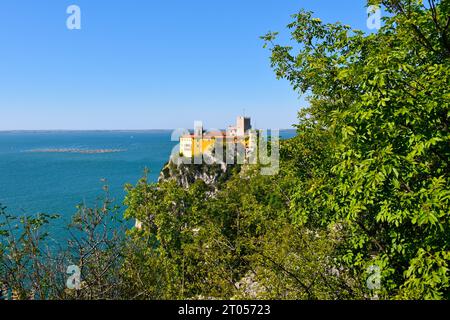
(109, 130)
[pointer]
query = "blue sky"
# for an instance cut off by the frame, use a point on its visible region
(148, 64)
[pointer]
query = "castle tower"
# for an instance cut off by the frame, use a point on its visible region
(198, 137)
(243, 125)
(198, 129)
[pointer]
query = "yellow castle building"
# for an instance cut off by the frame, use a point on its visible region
(201, 142)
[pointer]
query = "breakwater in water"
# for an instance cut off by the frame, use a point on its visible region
(81, 151)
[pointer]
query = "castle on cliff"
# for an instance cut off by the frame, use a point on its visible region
(201, 142)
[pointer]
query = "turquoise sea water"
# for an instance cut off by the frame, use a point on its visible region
(55, 182)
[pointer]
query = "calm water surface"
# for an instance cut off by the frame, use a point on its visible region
(55, 182)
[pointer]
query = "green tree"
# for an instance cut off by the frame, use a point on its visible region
(384, 99)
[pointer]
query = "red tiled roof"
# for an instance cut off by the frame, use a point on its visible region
(208, 135)
(216, 134)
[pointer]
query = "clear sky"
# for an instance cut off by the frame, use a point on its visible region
(148, 64)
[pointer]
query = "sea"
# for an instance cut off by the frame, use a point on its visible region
(54, 171)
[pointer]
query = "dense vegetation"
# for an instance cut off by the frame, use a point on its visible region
(364, 186)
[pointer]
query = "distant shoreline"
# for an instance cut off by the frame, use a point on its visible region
(81, 131)
(104, 131)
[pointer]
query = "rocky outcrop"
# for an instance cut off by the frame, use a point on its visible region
(186, 174)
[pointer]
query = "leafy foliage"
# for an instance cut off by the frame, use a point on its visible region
(364, 184)
(384, 98)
